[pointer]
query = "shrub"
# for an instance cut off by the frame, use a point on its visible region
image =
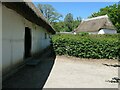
(90, 46)
(83, 33)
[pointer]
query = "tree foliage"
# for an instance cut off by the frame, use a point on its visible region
(113, 11)
(62, 27)
(69, 23)
(68, 20)
(59, 26)
(49, 12)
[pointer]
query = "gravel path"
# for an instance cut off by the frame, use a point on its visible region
(70, 72)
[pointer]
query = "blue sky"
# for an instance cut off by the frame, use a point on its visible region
(82, 9)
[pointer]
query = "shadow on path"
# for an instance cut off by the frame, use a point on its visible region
(32, 77)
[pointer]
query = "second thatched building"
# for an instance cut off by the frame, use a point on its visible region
(97, 25)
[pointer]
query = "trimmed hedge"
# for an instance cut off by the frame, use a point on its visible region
(89, 46)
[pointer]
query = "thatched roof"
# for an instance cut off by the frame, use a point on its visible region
(31, 13)
(95, 24)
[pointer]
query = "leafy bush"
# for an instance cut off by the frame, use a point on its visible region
(90, 46)
(83, 33)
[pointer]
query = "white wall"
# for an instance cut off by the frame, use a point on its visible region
(104, 31)
(107, 31)
(13, 39)
(38, 39)
(93, 32)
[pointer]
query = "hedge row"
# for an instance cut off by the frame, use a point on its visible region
(89, 46)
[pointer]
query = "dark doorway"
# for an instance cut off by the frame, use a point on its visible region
(27, 42)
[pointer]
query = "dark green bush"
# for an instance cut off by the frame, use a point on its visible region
(83, 33)
(90, 46)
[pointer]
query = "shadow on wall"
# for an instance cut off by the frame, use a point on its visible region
(33, 76)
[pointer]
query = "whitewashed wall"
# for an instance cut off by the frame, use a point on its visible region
(38, 37)
(107, 31)
(104, 31)
(13, 39)
(38, 40)
(93, 32)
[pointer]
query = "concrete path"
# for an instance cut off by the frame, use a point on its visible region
(70, 72)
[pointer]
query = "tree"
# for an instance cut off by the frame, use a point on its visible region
(49, 12)
(79, 19)
(113, 11)
(76, 22)
(62, 26)
(59, 26)
(68, 20)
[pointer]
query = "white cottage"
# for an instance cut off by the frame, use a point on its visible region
(25, 32)
(97, 25)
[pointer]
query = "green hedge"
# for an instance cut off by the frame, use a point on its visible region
(89, 46)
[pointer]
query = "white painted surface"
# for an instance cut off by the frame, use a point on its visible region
(13, 39)
(107, 31)
(93, 32)
(104, 31)
(38, 37)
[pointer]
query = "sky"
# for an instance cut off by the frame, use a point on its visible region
(82, 9)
